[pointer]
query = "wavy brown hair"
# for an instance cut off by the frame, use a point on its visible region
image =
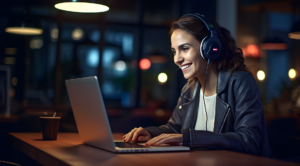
(231, 57)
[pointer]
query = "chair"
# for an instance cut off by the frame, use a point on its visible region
(285, 147)
(283, 126)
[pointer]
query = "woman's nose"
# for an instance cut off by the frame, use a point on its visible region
(177, 58)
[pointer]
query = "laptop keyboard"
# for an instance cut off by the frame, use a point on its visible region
(129, 145)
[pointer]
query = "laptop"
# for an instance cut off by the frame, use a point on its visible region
(92, 122)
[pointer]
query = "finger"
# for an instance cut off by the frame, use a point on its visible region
(139, 132)
(124, 137)
(170, 140)
(129, 135)
(143, 138)
(157, 139)
(136, 134)
(163, 141)
(153, 140)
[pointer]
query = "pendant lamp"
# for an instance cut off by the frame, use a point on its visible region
(295, 31)
(82, 6)
(273, 43)
(23, 26)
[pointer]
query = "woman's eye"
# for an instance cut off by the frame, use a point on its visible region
(173, 52)
(185, 48)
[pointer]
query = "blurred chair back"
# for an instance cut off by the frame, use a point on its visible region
(285, 147)
(283, 126)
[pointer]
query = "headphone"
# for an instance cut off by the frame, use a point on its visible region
(210, 46)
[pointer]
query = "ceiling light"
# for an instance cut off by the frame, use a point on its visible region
(81, 7)
(24, 26)
(295, 32)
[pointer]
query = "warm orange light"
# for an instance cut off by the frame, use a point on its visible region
(144, 64)
(273, 46)
(294, 35)
(251, 50)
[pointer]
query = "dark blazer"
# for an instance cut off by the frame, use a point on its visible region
(239, 120)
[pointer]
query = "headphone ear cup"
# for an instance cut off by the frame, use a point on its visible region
(210, 48)
(203, 45)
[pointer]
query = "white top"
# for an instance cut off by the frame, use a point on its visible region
(210, 103)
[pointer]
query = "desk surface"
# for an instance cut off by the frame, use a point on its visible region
(68, 150)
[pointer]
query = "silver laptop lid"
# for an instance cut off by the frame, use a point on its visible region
(89, 112)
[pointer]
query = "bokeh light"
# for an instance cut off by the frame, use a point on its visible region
(54, 34)
(120, 65)
(10, 51)
(160, 112)
(162, 77)
(95, 36)
(252, 50)
(36, 43)
(292, 73)
(14, 81)
(9, 60)
(145, 64)
(93, 58)
(261, 75)
(77, 34)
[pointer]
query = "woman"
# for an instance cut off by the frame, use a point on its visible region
(230, 113)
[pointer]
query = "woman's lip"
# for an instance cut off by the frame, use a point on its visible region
(184, 70)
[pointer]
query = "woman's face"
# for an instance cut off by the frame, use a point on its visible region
(186, 50)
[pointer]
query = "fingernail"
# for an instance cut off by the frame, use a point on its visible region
(154, 144)
(146, 144)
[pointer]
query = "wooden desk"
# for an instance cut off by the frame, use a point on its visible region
(68, 150)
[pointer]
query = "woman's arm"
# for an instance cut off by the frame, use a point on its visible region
(248, 123)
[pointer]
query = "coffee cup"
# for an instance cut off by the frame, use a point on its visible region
(49, 127)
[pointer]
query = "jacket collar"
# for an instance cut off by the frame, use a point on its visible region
(190, 91)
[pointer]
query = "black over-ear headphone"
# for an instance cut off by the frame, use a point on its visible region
(210, 47)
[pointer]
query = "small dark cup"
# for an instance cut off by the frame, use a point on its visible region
(50, 127)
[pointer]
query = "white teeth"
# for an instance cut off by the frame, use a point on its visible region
(184, 67)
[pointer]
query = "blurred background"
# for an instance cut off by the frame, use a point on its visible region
(128, 48)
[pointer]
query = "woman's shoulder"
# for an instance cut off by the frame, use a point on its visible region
(243, 79)
(241, 74)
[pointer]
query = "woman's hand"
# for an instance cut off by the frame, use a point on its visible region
(137, 134)
(165, 139)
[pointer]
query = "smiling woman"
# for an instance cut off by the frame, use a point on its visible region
(225, 114)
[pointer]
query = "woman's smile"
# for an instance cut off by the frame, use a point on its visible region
(185, 67)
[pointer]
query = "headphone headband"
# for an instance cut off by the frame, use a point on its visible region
(210, 46)
(208, 24)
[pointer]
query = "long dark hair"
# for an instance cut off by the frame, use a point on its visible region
(231, 57)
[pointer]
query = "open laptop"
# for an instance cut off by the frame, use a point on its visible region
(92, 122)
